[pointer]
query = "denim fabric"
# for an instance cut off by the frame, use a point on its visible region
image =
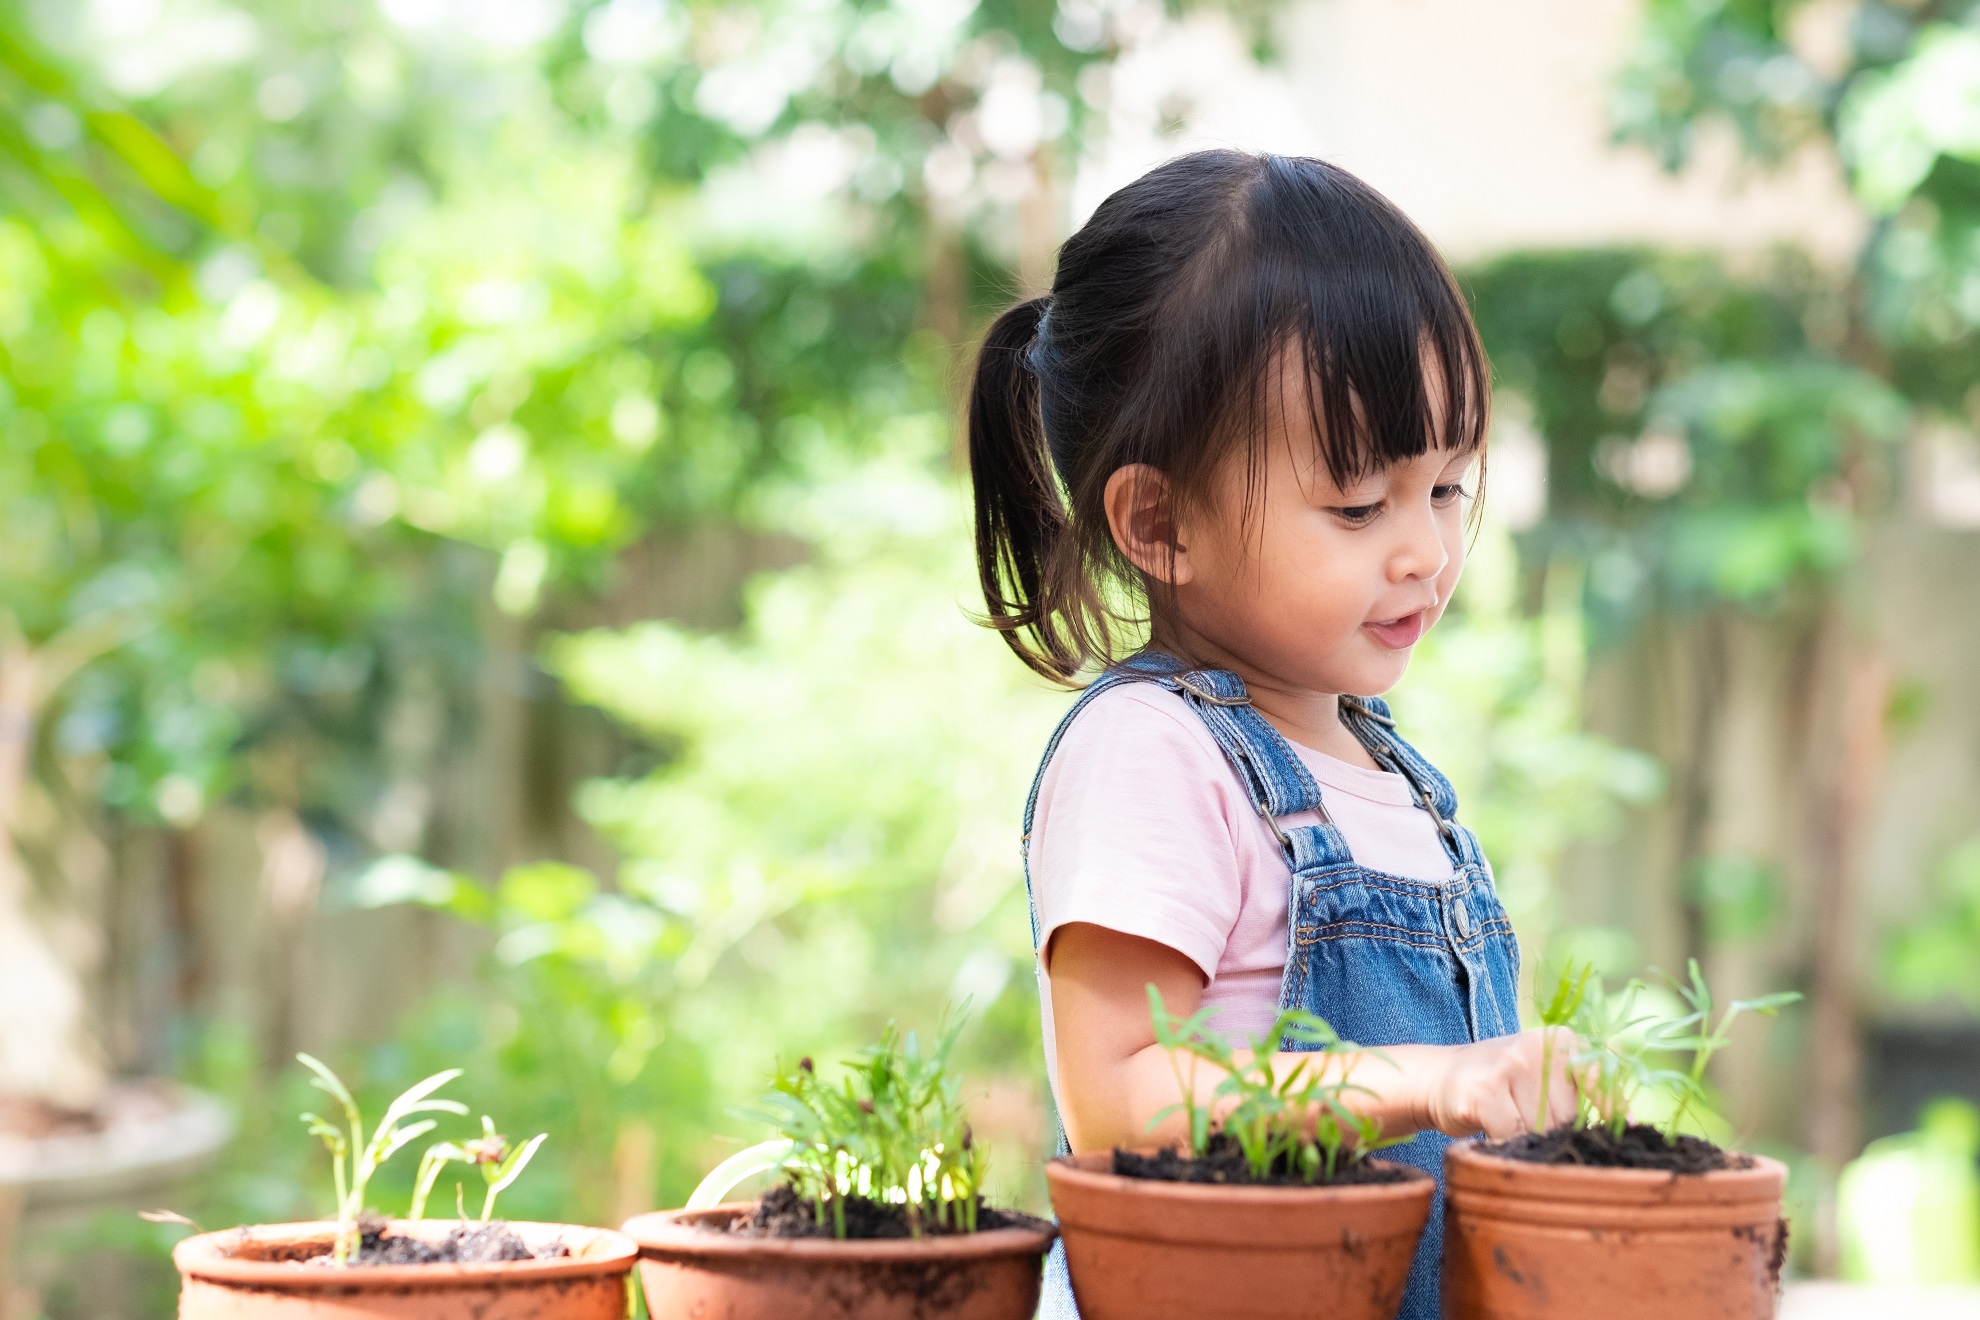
(1384, 959)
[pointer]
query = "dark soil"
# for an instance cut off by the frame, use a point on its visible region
(465, 1244)
(783, 1214)
(1223, 1162)
(1639, 1147)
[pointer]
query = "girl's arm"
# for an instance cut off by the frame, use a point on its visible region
(1113, 1076)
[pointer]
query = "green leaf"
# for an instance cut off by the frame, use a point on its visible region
(413, 1100)
(511, 1168)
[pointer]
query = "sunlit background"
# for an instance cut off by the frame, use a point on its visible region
(484, 573)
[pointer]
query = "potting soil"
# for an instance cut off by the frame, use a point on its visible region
(782, 1213)
(465, 1244)
(1223, 1162)
(1640, 1146)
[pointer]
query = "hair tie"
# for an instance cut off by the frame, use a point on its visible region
(1038, 359)
(1035, 358)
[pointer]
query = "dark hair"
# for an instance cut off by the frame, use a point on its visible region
(1158, 345)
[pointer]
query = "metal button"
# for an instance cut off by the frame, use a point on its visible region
(1463, 915)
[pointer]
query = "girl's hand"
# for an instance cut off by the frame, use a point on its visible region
(1113, 1077)
(1494, 1086)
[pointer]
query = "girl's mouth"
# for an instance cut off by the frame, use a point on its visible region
(1397, 634)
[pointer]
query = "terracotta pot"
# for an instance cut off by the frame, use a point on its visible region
(689, 1271)
(1145, 1250)
(1526, 1241)
(261, 1273)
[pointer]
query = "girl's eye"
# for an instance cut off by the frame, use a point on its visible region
(1357, 513)
(1445, 494)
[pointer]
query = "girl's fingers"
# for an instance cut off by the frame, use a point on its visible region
(1563, 1100)
(1525, 1096)
(1500, 1116)
(1563, 1086)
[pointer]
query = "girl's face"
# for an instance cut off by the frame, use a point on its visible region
(1323, 588)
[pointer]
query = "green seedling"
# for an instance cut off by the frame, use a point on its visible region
(890, 1129)
(1282, 1117)
(1612, 1067)
(1616, 1061)
(1556, 1013)
(353, 1157)
(500, 1164)
(1696, 1032)
(1175, 1036)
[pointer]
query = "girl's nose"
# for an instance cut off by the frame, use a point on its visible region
(1420, 552)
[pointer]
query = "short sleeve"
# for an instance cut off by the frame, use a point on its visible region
(1136, 827)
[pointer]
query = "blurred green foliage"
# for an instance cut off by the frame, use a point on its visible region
(1707, 441)
(1493, 698)
(1888, 87)
(530, 281)
(1910, 1204)
(1934, 957)
(335, 332)
(828, 844)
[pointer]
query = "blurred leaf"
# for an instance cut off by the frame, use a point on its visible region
(546, 891)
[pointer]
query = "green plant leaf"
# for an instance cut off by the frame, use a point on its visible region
(743, 1165)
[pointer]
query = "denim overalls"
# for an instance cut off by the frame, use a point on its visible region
(1385, 960)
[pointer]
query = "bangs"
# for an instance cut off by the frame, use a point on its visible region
(1393, 364)
(1317, 271)
(1406, 379)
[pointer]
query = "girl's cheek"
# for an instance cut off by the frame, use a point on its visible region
(1454, 548)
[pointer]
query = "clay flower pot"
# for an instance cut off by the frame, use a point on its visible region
(1525, 1241)
(262, 1273)
(1144, 1250)
(687, 1270)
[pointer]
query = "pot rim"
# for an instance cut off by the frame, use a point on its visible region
(1463, 1157)
(209, 1256)
(1090, 1170)
(672, 1233)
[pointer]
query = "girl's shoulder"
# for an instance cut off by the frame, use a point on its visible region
(1138, 705)
(1145, 730)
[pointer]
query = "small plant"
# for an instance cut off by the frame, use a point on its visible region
(1557, 1012)
(889, 1130)
(1696, 1032)
(1610, 1065)
(1616, 1061)
(1298, 1122)
(500, 1164)
(353, 1157)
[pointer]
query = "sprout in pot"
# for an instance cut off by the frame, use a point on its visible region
(1616, 1058)
(1290, 1129)
(884, 1153)
(364, 1238)
(363, 1264)
(1635, 1218)
(1273, 1206)
(500, 1164)
(878, 1211)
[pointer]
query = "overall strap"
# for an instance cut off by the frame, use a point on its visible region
(1369, 720)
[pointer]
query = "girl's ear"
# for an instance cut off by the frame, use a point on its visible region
(1142, 517)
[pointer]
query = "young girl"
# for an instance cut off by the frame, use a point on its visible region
(1247, 414)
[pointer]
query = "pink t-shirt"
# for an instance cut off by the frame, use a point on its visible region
(1142, 827)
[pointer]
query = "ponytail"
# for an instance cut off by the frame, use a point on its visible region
(1029, 590)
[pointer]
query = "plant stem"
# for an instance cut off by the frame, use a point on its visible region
(1546, 1076)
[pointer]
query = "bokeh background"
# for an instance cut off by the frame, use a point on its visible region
(484, 573)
